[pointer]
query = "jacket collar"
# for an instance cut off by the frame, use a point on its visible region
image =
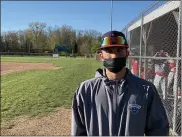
(125, 80)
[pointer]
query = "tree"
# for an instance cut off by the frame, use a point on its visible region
(3, 42)
(68, 36)
(12, 41)
(40, 38)
(37, 30)
(51, 39)
(94, 48)
(86, 39)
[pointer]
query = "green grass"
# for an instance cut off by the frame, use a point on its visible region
(38, 92)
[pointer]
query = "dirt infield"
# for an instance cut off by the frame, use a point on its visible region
(9, 67)
(55, 124)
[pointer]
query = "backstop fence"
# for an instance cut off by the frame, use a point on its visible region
(155, 54)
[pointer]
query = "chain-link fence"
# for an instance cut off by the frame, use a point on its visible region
(155, 54)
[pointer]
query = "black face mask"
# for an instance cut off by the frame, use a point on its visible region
(115, 65)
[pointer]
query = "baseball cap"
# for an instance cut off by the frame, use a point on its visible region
(113, 39)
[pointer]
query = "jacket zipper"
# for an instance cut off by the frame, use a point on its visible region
(116, 90)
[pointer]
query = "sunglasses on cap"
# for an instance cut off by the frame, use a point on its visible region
(113, 41)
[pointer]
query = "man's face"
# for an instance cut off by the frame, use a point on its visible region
(113, 52)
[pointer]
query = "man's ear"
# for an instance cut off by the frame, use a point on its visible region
(101, 56)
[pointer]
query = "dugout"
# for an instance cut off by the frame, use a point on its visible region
(160, 30)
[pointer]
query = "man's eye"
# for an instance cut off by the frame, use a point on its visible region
(120, 50)
(109, 51)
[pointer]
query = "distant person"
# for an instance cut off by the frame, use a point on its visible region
(174, 84)
(135, 66)
(150, 72)
(171, 75)
(115, 102)
(161, 72)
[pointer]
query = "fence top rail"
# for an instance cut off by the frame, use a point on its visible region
(137, 18)
(150, 57)
(154, 14)
(157, 13)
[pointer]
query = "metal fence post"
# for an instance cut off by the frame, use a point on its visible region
(145, 50)
(176, 76)
(127, 40)
(180, 11)
(141, 38)
(129, 50)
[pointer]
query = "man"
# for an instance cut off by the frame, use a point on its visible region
(170, 78)
(115, 102)
(161, 72)
(149, 74)
(135, 66)
(134, 63)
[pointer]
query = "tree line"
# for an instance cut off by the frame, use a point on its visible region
(40, 38)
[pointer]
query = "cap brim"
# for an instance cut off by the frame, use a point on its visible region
(110, 46)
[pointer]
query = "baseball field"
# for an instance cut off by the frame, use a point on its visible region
(37, 93)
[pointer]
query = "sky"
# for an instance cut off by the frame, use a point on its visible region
(16, 15)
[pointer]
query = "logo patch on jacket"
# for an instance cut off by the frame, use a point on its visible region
(134, 108)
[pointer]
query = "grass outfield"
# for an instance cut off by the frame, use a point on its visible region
(36, 92)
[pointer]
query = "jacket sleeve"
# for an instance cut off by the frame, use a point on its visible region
(157, 123)
(78, 125)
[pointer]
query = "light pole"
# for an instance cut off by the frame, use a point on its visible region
(111, 12)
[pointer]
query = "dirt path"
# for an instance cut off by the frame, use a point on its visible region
(9, 67)
(55, 124)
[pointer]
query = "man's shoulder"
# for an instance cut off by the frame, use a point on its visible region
(87, 85)
(143, 86)
(140, 81)
(90, 81)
